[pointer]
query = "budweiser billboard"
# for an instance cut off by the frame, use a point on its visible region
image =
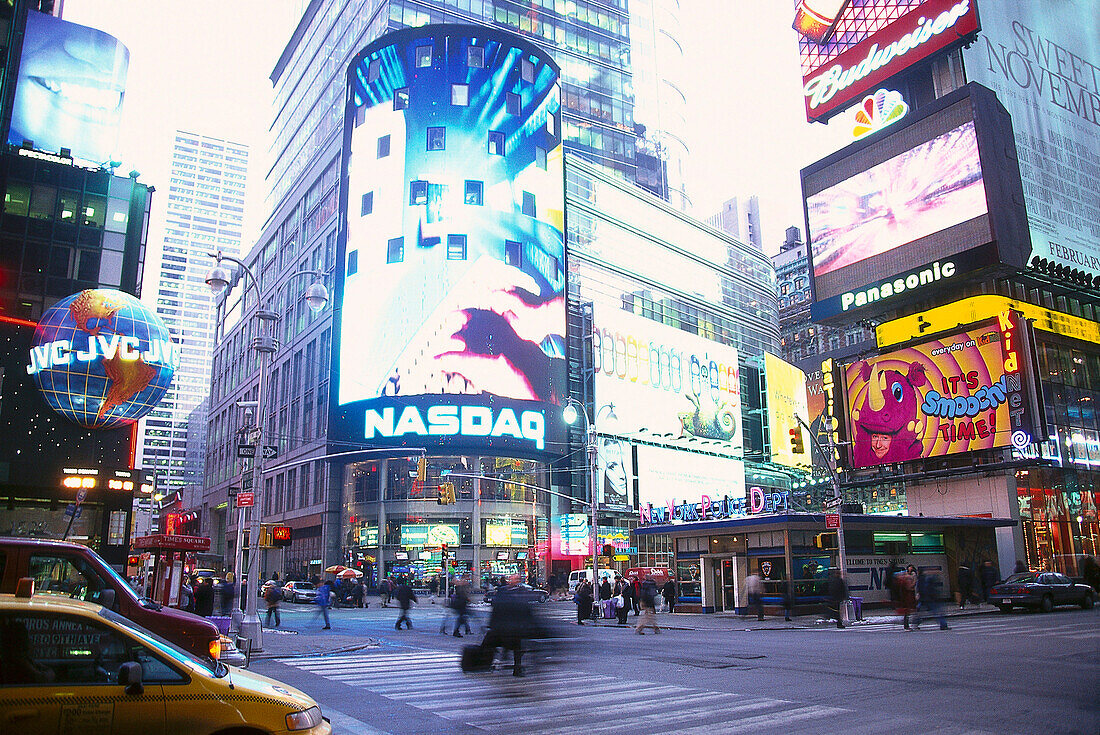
(850, 49)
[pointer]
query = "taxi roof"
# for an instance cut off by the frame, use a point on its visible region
(53, 602)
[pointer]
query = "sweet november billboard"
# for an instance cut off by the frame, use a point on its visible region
(971, 390)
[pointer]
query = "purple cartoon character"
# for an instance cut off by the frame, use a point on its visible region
(886, 425)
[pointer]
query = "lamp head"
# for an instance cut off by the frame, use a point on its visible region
(218, 279)
(569, 414)
(316, 296)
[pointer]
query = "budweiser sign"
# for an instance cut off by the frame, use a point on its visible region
(933, 26)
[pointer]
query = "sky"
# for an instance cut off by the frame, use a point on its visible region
(204, 67)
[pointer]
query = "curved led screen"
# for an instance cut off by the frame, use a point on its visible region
(451, 284)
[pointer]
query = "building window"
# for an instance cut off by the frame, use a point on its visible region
(456, 247)
(496, 143)
(374, 68)
(512, 253)
(437, 138)
(527, 70)
(460, 94)
(401, 98)
(353, 262)
(511, 103)
(423, 57)
(395, 250)
(528, 207)
(551, 125)
(366, 206)
(474, 193)
(418, 193)
(360, 115)
(475, 57)
(540, 157)
(384, 146)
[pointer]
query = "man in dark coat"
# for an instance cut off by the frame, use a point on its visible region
(405, 598)
(605, 598)
(510, 621)
(204, 597)
(838, 595)
(583, 598)
(965, 581)
(668, 591)
(988, 575)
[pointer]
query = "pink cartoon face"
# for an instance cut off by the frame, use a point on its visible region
(886, 425)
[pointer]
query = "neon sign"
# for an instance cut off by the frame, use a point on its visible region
(467, 421)
(877, 111)
(708, 509)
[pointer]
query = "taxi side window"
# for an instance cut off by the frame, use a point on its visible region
(67, 576)
(61, 649)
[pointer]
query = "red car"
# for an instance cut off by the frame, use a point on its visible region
(74, 571)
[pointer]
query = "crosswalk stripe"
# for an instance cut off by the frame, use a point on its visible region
(666, 720)
(469, 685)
(507, 701)
(772, 719)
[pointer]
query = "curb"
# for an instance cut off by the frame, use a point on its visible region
(266, 655)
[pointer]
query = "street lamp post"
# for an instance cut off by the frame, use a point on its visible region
(837, 498)
(573, 410)
(266, 344)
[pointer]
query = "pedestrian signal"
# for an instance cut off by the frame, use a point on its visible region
(797, 447)
(446, 493)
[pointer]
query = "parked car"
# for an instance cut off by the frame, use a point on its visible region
(63, 570)
(1041, 590)
(78, 659)
(299, 592)
(537, 595)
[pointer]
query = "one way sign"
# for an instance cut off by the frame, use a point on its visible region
(271, 451)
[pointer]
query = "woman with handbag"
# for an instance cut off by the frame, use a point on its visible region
(622, 607)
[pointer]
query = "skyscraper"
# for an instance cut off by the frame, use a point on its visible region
(205, 214)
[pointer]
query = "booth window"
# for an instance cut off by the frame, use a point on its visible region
(927, 543)
(894, 544)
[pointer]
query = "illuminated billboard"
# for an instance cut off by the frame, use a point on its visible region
(69, 92)
(926, 189)
(615, 473)
(786, 398)
(903, 212)
(450, 317)
(849, 48)
(670, 475)
(664, 385)
(1040, 57)
(972, 390)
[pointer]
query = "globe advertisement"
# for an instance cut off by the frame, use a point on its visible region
(451, 284)
(102, 359)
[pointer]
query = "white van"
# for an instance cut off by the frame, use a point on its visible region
(577, 575)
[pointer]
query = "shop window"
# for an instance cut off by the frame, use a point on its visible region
(475, 57)
(688, 575)
(496, 143)
(927, 543)
(395, 250)
(401, 98)
(460, 95)
(893, 544)
(436, 138)
(456, 247)
(474, 193)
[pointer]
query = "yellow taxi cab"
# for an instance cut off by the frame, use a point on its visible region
(68, 666)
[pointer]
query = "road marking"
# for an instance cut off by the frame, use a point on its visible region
(346, 723)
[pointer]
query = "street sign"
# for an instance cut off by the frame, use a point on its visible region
(246, 482)
(271, 451)
(832, 503)
(73, 510)
(832, 520)
(246, 451)
(245, 500)
(80, 495)
(233, 490)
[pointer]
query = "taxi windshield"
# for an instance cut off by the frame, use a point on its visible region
(167, 648)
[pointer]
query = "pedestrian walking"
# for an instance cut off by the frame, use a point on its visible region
(460, 604)
(272, 595)
(906, 585)
(988, 575)
(204, 597)
(838, 596)
(510, 622)
(668, 591)
(648, 604)
(965, 584)
(323, 600)
(930, 592)
(385, 589)
(405, 598)
(357, 593)
(788, 601)
(620, 602)
(754, 586)
(636, 598)
(583, 598)
(228, 593)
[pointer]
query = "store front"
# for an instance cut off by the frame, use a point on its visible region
(793, 550)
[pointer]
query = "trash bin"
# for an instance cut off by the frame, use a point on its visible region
(857, 608)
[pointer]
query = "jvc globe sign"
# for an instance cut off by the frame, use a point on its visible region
(102, 359)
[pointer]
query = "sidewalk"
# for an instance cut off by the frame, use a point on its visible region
(734, 621)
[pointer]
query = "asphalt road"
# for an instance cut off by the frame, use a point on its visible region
(991, 673)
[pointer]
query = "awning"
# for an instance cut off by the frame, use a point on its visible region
(816, 521)
(172, 542)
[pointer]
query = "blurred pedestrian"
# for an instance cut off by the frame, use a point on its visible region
(229, 590)
(1090, 572)
(1021, 567)
(988, 575)
(583, 598)
(460, 604)
(204, 597)
(323, 600)
(405, 598)
(510, 622)
(648, 604)
(357, 593)
(385, 589)
(930, 591)
(838, 596)
(965, 584)
(668, 591)
(754, 586)
(620, 601)
(906, 584)
(272, 595)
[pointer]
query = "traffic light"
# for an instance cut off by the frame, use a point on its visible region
(797, 447)
(446, 493)
(265, 536)
(825, 540)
